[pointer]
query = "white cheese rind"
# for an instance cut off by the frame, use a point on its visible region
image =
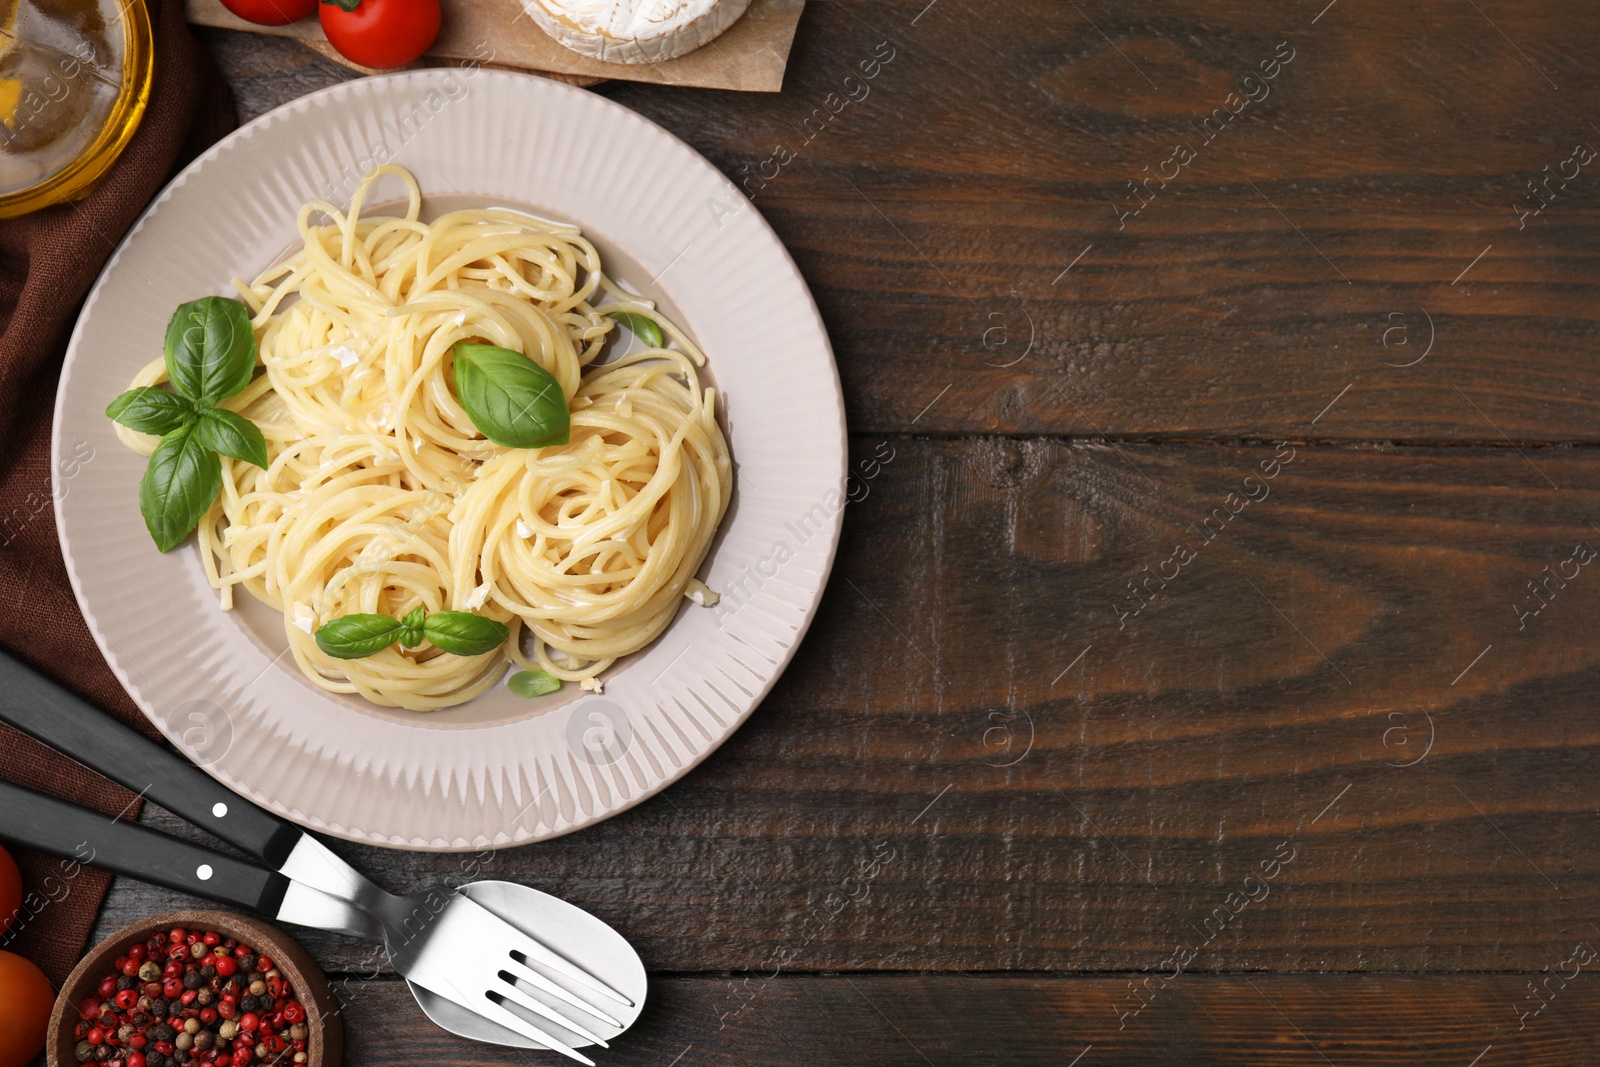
(635, 31)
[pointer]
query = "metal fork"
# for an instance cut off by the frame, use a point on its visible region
(439, 939)
(425, 933)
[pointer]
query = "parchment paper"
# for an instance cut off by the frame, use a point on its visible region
(750, 57)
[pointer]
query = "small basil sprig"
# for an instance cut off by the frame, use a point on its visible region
(511, 399)
(534, 683)
(641, 326)
(458, 632)
(210, 356)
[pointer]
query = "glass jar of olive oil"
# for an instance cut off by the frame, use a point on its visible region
(74, 82)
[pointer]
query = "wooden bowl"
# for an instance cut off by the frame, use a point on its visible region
(325, 1042)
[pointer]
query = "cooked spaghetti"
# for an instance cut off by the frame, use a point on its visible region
(382, 496)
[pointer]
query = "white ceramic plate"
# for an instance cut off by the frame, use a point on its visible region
(499, 770)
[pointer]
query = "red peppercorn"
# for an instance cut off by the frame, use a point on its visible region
(220, 977)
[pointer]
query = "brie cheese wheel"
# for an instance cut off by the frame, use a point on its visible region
(635, 31)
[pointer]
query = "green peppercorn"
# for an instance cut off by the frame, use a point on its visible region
(185, 1041)
(83, 1051)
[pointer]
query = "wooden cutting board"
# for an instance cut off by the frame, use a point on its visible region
(750, 57)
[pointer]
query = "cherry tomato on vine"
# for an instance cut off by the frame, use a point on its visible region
(271, 12)
(380, 33)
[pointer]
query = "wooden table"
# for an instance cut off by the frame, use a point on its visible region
(1127, 734)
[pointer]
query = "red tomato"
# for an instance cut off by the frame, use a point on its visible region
(380, 33)
(271, 12)
(10, 891)
(25, 1002)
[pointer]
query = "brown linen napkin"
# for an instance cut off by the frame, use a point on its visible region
(48, 260)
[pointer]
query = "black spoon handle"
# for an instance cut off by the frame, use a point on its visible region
(72, 726)
(94, 839)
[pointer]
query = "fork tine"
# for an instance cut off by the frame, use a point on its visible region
(517, 969)
(512, 993)
(512, 1021)
(538, 953)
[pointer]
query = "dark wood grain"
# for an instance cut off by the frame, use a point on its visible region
(1339, 767)
(1251, 290)
(935, 213)
(1295, 662)
(1035, 1021)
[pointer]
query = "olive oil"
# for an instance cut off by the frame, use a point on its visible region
(74, 83)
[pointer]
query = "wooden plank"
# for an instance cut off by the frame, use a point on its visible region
(980, 195)
(973, 194)
(983, 758)
(916, 1020)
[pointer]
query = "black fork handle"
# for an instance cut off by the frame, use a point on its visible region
(94, 839)
(72, 726)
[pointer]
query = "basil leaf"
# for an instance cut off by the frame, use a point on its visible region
(511, 399)
(463, 633)
(411, 633)
(178, 487)
(358, 636)
(151, 410)
(232, 435)
(533, 683)
(211, 348)
(642, 327)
